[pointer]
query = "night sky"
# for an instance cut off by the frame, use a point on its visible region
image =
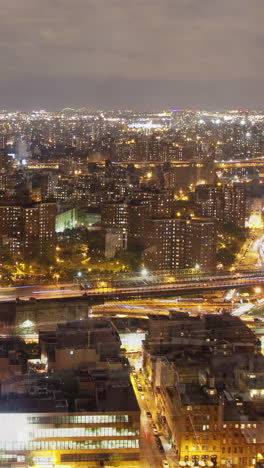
(145, 54)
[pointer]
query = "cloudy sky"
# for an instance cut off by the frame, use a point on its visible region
(144, 54)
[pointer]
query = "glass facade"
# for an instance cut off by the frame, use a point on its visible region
(85, 432)
(78, 419)
(69, 445)
(81, 436)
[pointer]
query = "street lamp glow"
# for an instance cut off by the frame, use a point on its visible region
(257, 290)
(144, 272)
(197, 266)
(79, 274)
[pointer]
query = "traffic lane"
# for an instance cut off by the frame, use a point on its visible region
(150, 448)
(169, 453)
(240, 281)
(27, 291)
(148, 411)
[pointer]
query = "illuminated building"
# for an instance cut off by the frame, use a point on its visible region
(46, 234)
(209, 201)
(27, 230)
(235, 205)
(202, 243)
(66, 220)
(138, 211)
(115, 216)
(47, 432)
(73, 218)
(11, 228)
(225, 203)
(200, 369)
(165, 244)
(162, 203)
(179, 243)
(78, 413)
(205, 426)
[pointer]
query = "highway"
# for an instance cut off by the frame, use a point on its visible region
(146, 288)
(143, 308)
(225, 164)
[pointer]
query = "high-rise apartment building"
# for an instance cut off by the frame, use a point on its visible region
(28, 230)
(235, 205)
(163, 203)
(46, 219)
(138, 211)
(201, 235)
(225, 203)
(179, 243)
(115, 216)
(11, 228)
(165, 244)
(209, 201)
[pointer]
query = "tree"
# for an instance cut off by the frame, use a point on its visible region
(225, 256)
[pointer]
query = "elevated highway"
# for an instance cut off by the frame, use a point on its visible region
(153, 287)
(258, 162)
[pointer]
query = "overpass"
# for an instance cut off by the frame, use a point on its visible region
(40, 307)
(258, 162)
(188, 285)
(240, 163)
(135, 287)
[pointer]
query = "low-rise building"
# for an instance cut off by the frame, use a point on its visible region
(79, 411)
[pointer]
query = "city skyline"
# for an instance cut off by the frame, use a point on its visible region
(131, 234)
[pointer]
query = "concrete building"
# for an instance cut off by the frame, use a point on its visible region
(81, 412)
(115, 241)
(28, 230)
(179, 243)
(115, 216)
(200, 369)
(226, 204)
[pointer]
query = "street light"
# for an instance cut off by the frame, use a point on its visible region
(79, 274)
(144, 272)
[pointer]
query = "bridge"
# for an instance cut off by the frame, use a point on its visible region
(131, 287)
(238, 164)
(30, 308)
(180, 285)
(257, 162)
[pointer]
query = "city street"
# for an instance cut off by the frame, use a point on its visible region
(151, 455)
